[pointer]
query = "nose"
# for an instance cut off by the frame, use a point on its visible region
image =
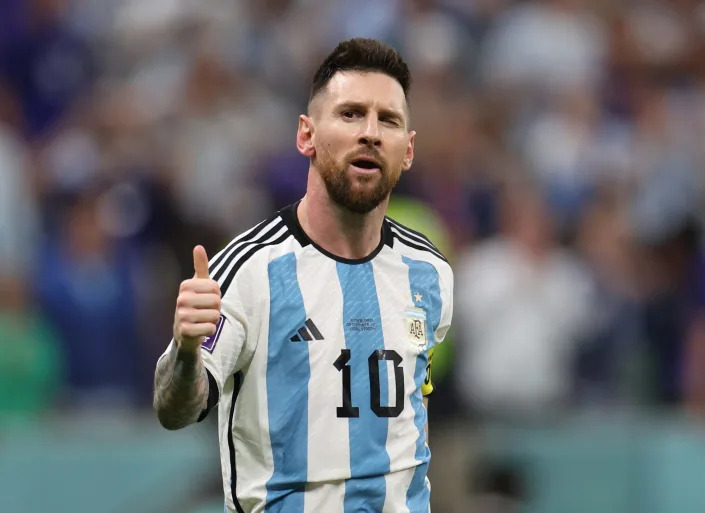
(370, 134)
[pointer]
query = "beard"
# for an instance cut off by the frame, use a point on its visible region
(341, 185)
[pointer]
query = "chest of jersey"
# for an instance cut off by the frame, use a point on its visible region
(360, 329)
(346, 356)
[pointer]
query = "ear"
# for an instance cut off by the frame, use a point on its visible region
(304, 137)
(409, 157)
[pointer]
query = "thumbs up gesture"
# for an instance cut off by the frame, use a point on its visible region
(198, 305)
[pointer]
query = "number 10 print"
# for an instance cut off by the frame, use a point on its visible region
(348, 410)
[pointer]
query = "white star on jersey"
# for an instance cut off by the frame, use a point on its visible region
(418, 297)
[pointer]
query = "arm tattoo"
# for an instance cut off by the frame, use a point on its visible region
(180, 388)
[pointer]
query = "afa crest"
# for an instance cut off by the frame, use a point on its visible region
(415, 327)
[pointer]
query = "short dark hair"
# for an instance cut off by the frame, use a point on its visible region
(365, 55)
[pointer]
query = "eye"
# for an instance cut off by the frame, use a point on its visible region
(390, 121)
(349, 114)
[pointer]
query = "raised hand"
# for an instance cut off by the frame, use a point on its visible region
(197, 306)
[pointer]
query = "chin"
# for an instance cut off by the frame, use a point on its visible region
(360, 209)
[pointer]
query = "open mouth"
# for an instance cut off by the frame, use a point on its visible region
(366, 164)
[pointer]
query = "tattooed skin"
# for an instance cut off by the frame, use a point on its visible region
(180, 388)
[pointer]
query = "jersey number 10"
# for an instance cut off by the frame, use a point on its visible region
(348, 410)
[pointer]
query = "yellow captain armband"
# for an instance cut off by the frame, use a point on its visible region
(427, 385)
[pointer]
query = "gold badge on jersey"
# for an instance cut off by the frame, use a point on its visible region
(415, 327)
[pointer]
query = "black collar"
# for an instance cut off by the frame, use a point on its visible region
(288, 214)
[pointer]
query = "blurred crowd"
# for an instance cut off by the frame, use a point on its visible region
(560, 148)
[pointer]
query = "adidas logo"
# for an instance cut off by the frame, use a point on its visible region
(311, 333)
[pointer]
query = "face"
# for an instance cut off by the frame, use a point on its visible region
(358, 139)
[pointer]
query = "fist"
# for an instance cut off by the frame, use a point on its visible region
(198, 305)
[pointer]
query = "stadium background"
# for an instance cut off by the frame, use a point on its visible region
(560, 165)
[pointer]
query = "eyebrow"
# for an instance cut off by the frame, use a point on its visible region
(353, 105)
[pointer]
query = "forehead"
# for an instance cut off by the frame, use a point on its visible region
(374, 89)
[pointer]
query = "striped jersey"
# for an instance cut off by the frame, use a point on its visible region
(318, 369)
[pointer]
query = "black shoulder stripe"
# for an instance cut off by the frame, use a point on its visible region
(248, 235)
(412, 238)
(246, 256)
(416, 243)
(413, 235)
(411, 244)
(235, 253)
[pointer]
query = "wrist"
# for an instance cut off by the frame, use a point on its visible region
(187, 362)
(186, 351)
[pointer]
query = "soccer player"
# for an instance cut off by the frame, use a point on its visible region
(313, 331)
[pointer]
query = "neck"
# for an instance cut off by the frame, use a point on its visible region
(337, 230)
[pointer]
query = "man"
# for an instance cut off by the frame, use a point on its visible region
(313, 331)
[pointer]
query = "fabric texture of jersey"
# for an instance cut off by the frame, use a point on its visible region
(319, 367)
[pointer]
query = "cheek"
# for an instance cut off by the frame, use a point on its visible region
(329, 150)
(327, 155)
(336, 149)
(399, 153)
(330, 143)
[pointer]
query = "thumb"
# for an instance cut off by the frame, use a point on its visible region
(200, 262)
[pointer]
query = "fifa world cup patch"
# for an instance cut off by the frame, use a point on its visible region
(415, 327)
(211, 341)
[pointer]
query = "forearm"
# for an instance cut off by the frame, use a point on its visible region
(180, 388)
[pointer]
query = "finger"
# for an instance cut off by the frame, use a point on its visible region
(195, 300)
(199, 285)
(200, 262)
(193, 316)
(198, 330)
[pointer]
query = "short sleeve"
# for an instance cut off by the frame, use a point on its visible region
(445, 278)
(445, 281)
(223, 353)
(231, 347)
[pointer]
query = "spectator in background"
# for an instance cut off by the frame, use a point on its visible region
(544, 46)
(84, 285)
(610, 368)
(48, 65)
(558, 146)
(673, 306)
(523, 306)
(665, 212)
(31, 361)
(18, 205)
(218, 134)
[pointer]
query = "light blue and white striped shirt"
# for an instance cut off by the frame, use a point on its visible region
(318, 367)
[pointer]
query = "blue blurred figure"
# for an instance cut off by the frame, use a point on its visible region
(84, 285)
